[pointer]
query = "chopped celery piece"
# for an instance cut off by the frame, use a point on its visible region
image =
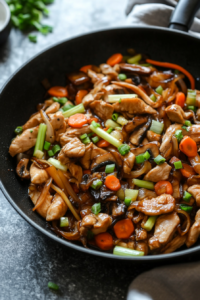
(122, 76)
(178, 165)
(40, 138)
(135, 59)
(191, 97)
(126, 252)
(122, 121)
(144, 184)
(74, 110)
(95, 124)
(188, 123)
(106, 136)
(39, 154)
(57, 164)
(156, 127)
(131, 194)
(186, 196)
(62, 100)
(116, 134)
(150, 223)
(96, 184)
(186, 207)
(191, 107)
(95, 139)
(110, 123)
(159, 90)
(120, 194)
(117, 98)
(83, 136)
(66, 107)
(127, 201)
(153, 97)
(64, 222)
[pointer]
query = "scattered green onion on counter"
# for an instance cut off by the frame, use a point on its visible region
(53, 286)
(159, 160)
(187, 196)
(121, 251)
(144, 184)
(156, 127)
(96, 208)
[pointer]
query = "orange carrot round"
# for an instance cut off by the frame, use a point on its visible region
(86, 68)
(102, 144)
(180, 99)
(58, 91)
(86, 172)
(163, 187)
(173, 66)
(123, 229)
(114, 59)
(188, 146)
(187, 170)
(77, 120)
(112, 183)
(104, 241)
(80, 95)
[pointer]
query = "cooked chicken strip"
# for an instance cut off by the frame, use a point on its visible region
(176, 114)
(129, 160)
(156, 206)
(164, 229)
(73, 132)
(152, 136)
(194, 231)
(194, 132)
(57, 209)
(133, 106)
(86, 159)
(158, 173)
(24, 142)
(74, 148)
(108, 70)
(34, 195)
(102, 109)
(145, 194)
(76, 171)
(57, 120)
(195, 191)
(97, 223)
(195, 162)
(175, 244)
(38, 176)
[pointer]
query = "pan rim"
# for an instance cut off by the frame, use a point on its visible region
(51, 235)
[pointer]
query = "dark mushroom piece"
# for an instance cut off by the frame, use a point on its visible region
(131, 125)
(136, 69)
(78, 78)
(103, 160)
(22, 170)
(138, 135)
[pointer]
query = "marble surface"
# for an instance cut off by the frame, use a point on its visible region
(28, 260)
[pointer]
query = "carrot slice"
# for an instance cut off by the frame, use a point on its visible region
(123, 229)
(77, 120)
(112, 183)
(104, 241)
(86, 172)
(93, 119)
(86, 68)
(114, 59)
(80, 95)
(187, 170)
(173, 66)
(180, 99)
(58, 91)
(163, 187)
(102, 144)
(188, 146)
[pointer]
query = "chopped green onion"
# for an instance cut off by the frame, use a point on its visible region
(115, 116)
(127, 201)
(18, 130)
(144, 184)
(186, 128)
(90, 134)
(106, 136)
(95, 139)
(179, 135)
(39, 154)
(139, 159)
(118, 97)
(57, 164)
(187, 196)
(120, 194)
(146, 155)
(159, 90)
(191, 107)
(186, 207)
(62, 100)
(110, 130)
(122, 121)
(124, 149)
(47, 145)
(110, 123)
(110, 168)
(150, 223)
(95, 124)
(50, 153)
(135, 59)
(86, 140)
(83, 136)
(74, 110)
(191, 97)
(55, 149)
(126, 252)
(40, 138)
(153, 97)
(53, 286)
(31, 131)
(32, 38)
(131, 194)
(120, 100)
(178, 165)
(64, 222)
(90, 235)
(96, 208)
(96, 184)
(188, 123)
(156, 127)
(159, 160)
(66, 107)
(122, 76)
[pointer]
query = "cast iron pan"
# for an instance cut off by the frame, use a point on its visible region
(24, 91)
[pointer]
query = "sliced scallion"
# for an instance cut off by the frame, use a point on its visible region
(95, 124)
(74, 110)
(179, 135)
(187, 196)
(178, 165)
(150, 223)
(110, 123)
(131, 194)
(66, 107)
(159, 160)
(124, 149)
(86, 140)
(106, 136)
(18, 130)
(62, 100)
(40, 138)
(121, 251)
(135, 59)
(122, 76)
(146, 155)
(110, 130)
(96, 208)
(47, 145)
(186, 128)
(118, 97)
(153, 97)
(96, 184)
(95, 139)
(127, 201)
(191, 97)
(55, 149)
(115, 116)
(188, 123)
(110, 168)
(191, 107)
(83, 136)
(142, 157)
(144, 184)
(64, 222)
(57, 164)
(186, 207)
(50, 153)
(156, 127)
(159, 90)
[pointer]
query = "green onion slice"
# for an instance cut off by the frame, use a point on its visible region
(86, 140)
(178, 165)
(124, 149)
(122, 76)
(188, 123)
(96, 208)
(153, 97)
(55, 149)
(126, 252)
(135, 59)
(159, 90)
(110, 168)
(95, 139)
(127, 201)
(50, 153)
(159, 160)
(53, 286)
(144, 184)
(106, 136)
(115, 116)
(83, 136)
(187, 196)
(96, 184)
(66, 107)
(47, 145)
(179, 135)
(191, 107)
(186, 207)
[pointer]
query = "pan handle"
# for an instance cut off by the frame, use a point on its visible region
(184, 14)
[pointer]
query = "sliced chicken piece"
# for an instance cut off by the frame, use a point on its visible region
(128, 164)
(194, 132)
(194, 231)
(195, 191)
(24, 142)
(142, 246)
(158, 173)
(102, 109)
(96, 223)
(57, 120)
(57, 209)
(141, 234)
(145, 194)
(152, 136)
(86, 159)
(164, 229)
(195, 162)
(108, 70)
(133, 106)
(118, 210)
(96, 151)
(74, 148)
(156, 206)
(60, 131)
(131, 125)
(175, 244)
(95, 77)
(38, 176)
(138, 134)
(34, 195)
(76, 172)
(73, 132)
(175, 113)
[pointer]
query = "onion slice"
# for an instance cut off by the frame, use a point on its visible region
(49, 132)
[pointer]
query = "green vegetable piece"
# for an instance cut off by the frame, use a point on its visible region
(187, 196)
(18, 130)
(121, 251)
(83, 136)
(124, 149)
(178, 165)
(95, 139)
(90, 235)
(55, 149)
(186, 128)
(135, 59)
(64, 222)
(53, 286)
(159, 90)
(179, 135)
(188, 123)
(32, 38)
(47, 145)
(74, 110)
(153, 97)
(95, 124)
(106, 136)
(150, 223)
(110, 168)
(146, 155)
(186, 207)
(66, 107)
(50, 153)
(191, 97)
(191, 107)
(96, 208)
(110, 130)
(156, 127)
(131, 194)
(144, 184)
(127, 201)
(122, 77)
(159, 160)
(139, 159)
(40, 138)
(115, 116)
(97, 184)
(86, 140)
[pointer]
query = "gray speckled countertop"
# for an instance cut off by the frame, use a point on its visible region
(28, 260)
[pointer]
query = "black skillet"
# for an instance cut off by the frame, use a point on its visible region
(24, 91)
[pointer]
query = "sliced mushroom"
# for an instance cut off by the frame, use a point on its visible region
(131, 125)
(138, 134)
(78, 78)
(152, 147)
(22, 170)
(135, 69)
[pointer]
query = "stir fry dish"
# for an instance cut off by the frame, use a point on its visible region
(112, 157)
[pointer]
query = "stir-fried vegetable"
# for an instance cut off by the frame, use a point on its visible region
(104, 241)
(188, 146)
(121, 251)
(115, 59)
(157, 127)
(150, 223)
(117, 98)
(40, 138)
(123, 229)
(180, 99)
(74, 110)
(56, 163)
(112, 183)
(144, 184)
(163, 187)
(58, 91)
